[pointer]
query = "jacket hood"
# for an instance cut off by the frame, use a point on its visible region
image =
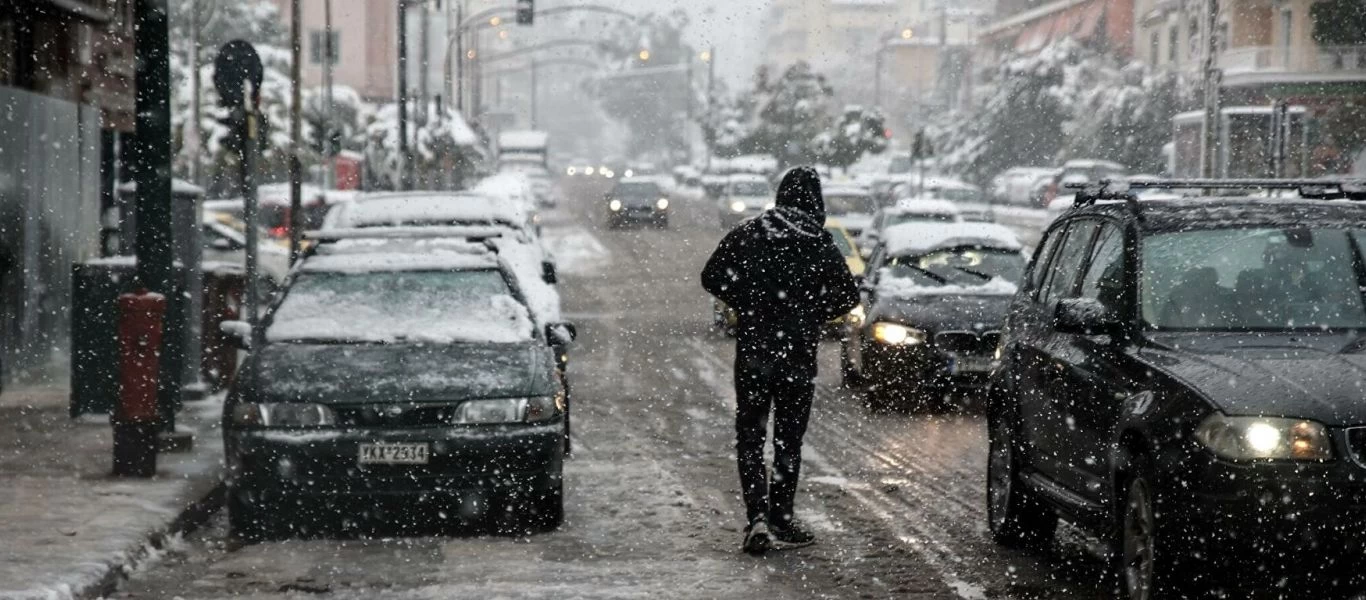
(801, 190)
(1305, 377)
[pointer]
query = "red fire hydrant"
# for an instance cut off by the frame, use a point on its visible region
(135, 417)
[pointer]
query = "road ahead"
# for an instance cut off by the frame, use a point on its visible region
(653, 508)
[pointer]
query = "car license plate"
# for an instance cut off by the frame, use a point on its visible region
(971, 364)
(393, 454)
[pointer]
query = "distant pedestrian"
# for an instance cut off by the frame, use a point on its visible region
(784, 277)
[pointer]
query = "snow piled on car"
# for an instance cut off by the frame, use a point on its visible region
(901, 287)
(919, 238)
(499, 320)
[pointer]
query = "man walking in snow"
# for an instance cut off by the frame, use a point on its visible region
(784, 277)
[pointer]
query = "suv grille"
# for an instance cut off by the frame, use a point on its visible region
(967, 342)
(1356, 444)
(395, 415)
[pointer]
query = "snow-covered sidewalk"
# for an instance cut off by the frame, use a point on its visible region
(67, 528)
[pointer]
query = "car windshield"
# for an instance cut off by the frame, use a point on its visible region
(639, 189)
(919, 217)
(846, 204)
(397, 306)
(841, 242)
(749, 188)
(963, 266)
(957, 194)
(1254, 279)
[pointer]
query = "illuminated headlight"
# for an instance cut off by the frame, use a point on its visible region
(572, 171)
(282, 414)
(614, 205)
(897, 335)
(662, 204)
(857, 315)
(630, 173)
(588, 170)
(608, 174)
(506, 410)
(1268, 438)
(769, 206)
(737, 206)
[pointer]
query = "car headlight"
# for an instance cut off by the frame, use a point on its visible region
(588, 170)
(897, 335)
(737, 206)
(630, 173)
(506, 410)
(1267, 438)
(282, 414)
(571, 171)
(662, 204)
(614, 205)
(770, 206)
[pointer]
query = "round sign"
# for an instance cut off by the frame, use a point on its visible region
(236, 64)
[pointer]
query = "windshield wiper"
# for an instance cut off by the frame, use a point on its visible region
(980, 274)
(928, 273)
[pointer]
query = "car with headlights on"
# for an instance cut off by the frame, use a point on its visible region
(934, 300)
(743, 197)
(1183, 378)
(637, 201)
(852, 206)
(392, 382)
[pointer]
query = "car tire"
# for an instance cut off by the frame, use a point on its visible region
(1016, 516)
(1143, 567)
(247, 521)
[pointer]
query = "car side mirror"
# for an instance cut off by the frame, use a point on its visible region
(561, 334)
(1085, 316)
(238, 332)
(548, 273)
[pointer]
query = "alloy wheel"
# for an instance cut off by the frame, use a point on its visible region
(1140, 528)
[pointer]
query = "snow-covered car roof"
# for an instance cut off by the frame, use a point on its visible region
(844, 189)
(1088, 163)
(523, 140)
(924, 206)
(426, 208)
(374, 262)
(919, 238)
(747, 178)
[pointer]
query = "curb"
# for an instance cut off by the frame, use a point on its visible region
(117, 570)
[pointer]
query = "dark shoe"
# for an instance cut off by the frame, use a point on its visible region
(757, 539)
(792, 535)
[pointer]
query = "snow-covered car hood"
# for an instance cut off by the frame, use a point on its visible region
(1296, 376)
(360, 373)
(854, 223)
(943, 312)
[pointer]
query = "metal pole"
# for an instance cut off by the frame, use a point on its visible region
(403, 157)
(423, 90)
(296, 204)
(688, 125)
(877, 76)
(533, 92)
(459, 59)
(193, 133)
(1209, 150)
(249, 214)
(329, 150)
(711, 95)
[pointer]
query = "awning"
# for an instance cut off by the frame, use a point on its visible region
(1090, 21)
(79, 9)
(1079, 22)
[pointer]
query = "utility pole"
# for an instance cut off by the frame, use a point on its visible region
(329, 149)
(192, 133)
(296, 204)
(533, 92)
(403, 158)
(459, 93)
(1209, 150)
(423, 91)
(711, 94)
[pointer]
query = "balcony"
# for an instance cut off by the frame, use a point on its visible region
(1250, 65)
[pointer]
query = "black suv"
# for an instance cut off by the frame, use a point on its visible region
(1184, 378)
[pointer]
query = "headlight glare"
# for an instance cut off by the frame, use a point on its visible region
(662, 204)
(857, 315)
(282, 414)
(897, 335)
(1265, 438)
(737, 206)
(505, 410)
(614, 205)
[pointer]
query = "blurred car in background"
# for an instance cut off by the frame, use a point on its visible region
(744, 196)
(634, 200)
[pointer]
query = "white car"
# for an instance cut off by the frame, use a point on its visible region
(907, 211)
(853, 205)
(744, 197)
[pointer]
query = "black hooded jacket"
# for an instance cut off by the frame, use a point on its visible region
(781, 271)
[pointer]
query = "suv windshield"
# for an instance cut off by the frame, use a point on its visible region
(1254, 279)
(845, 204)
(749, 188)
(966, 266)
(638, 189)
(389, 306)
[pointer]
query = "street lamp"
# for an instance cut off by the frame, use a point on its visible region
(644, 55)
(905, 34)
(705, 56)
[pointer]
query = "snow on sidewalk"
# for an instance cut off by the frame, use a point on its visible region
(67, 528)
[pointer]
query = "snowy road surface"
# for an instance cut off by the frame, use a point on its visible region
(652, 495)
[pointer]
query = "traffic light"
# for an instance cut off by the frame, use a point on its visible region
(526, 12)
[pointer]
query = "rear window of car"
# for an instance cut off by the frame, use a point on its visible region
(840, 204)
(749, 188)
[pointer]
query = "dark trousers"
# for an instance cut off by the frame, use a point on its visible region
(775, 377)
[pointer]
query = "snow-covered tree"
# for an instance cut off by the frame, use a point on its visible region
(794, 110)
(858, 131)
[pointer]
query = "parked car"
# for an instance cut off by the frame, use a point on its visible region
(935, 297)
(1080, 171)
(852, 206)
(637, 200)
(744, 196)
(393, 381)
(225, 241)
(906, 211)
(1021, 186)
(1182, 378)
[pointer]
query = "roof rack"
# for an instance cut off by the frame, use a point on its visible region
(1317, 189)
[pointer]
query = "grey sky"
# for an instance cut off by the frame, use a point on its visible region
(734, 27)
